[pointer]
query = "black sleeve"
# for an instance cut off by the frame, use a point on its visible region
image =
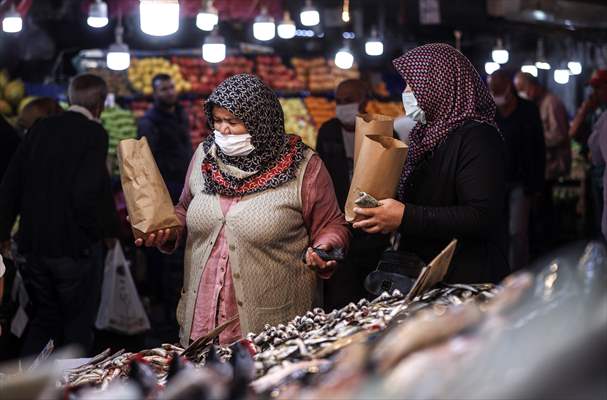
(91, 194)
(11, 190)
(479, 188)
(321, 146)
(146, 128)
(536, 177)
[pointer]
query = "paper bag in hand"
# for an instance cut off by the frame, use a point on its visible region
(371, 124)
(378, 170)
(147, 198)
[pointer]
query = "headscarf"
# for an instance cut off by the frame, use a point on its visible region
(277, 155)
(450, 92)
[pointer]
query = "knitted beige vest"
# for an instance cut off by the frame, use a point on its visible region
(266, 238)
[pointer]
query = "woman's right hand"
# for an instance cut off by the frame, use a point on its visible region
(157, 239)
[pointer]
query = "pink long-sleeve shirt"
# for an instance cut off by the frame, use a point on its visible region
(216, 301)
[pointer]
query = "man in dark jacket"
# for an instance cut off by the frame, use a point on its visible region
(520, 123)
(335, 146)
(9, 140)
(166, 128)
(59, 185)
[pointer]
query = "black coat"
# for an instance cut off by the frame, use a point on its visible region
(457, 191)
(169, 139)
(58, 182)
(9, 140)
(347, 283)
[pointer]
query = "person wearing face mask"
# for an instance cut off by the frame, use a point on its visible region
(453, 181)
(166, 128)
(335, 146)
(520, 124)
(255, 202)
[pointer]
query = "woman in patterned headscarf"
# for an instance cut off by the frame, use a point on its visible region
(255, 200)
(452, 185)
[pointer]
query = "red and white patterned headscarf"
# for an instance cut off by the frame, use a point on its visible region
(449, 91)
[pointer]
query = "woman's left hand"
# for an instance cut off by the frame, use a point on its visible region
(383, 219)
(315, 263)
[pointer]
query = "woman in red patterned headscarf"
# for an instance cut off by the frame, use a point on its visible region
(452, 185)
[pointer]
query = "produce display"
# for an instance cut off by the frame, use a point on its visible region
(12, 96)
(391, 109)
(117, 81)
(277, 75)
(297, 120)
(142, 71)
(320, 75)
(120, 124)
(321, 109)
(203, 77)
(197, 119)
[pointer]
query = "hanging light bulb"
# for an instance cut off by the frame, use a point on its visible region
(309, 15)
(491, 67)
(345, 13)
(541, 62)
(97, 14)
(264, 28)
(214, 48)
(344, 58)
(12, 22)
(499, 54)
(207, 17)
(530, 69)
(561, 76)
(286, 28)
(118, 57)
(575, 67)
(374, 45)
(159, 17)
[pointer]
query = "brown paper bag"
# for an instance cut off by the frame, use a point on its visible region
(377, 173)
(371, 124)
(147, 199)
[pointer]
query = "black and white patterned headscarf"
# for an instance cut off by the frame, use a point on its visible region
(277, 155)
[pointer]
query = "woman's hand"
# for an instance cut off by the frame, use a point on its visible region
(383, 219)
(157, 239)
(315, 263)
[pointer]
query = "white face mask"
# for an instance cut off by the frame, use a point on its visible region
(403, 125)
(523, 95)
(499, 100)
(234, 145)
(412, 109)
(346, 113)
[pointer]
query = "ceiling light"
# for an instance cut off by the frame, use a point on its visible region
(499, 54)
(561, 76)
(345, 13)
(12, 22)
(575, 67)
(214, 48)
(118, 57)
(530, 69)
(286, 29)
(374, 45)
(264, 28)
(97, 14)
(543, 65)
(309, 15)
(159, 17)
(491, 67)
(207, 17)
(344, 58)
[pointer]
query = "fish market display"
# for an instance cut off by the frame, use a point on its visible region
(453, 341)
